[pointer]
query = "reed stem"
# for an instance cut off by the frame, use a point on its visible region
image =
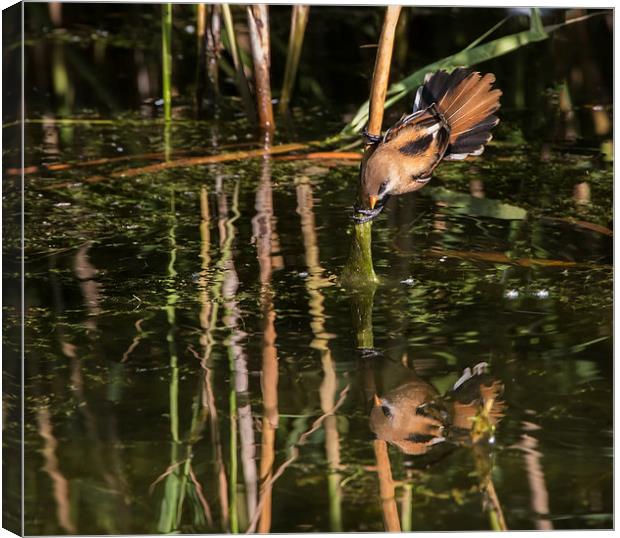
(381, 74)
(242, 81)
(166, 53)
(258, 24)
(359, 270)
(214, 46)
(299, 19)
(201, 25)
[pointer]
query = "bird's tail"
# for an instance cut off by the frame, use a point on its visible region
(467, 102)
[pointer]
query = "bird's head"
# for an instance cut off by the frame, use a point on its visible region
(378, 179)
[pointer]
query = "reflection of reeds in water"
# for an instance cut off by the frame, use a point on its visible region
(169, 516)
(490, 501)
(406, 506)
(387, 489)
(208, 318)
(536, 478)
(329, 386)
(86, 272)
(104, 459)
(180, 480)
(59, 482)
(482, 429)
(263, 225)
(238, 359)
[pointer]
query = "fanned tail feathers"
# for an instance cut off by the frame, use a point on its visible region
(467, 102)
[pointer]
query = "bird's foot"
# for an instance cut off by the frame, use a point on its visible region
(361, 215)
(372, 139)
(369, 352)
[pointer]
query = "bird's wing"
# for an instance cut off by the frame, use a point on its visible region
(418, 142)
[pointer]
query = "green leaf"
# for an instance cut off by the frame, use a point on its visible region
(536, 25)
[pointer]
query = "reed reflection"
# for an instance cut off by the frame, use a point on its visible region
(234, 341)
(208, 320)
(314, 282)
(267, 245)
(103, 444)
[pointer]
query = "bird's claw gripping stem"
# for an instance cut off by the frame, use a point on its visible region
(362, 215)
(372, 139)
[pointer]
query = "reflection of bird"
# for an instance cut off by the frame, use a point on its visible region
(452, 118)
(415, 418)
(407, 417)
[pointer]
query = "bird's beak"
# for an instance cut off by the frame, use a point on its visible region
(373, 201)
(377, 400)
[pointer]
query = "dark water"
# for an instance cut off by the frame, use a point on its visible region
(188, 340)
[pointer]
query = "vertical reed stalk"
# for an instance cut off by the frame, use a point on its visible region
(166, 53)
(359, 270)
(214, 47)
(242, 81)
(201, 27)
(299, 19)
(258, 24)
(381, 74)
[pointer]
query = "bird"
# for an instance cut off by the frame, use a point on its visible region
(414, 417)
(452, 118)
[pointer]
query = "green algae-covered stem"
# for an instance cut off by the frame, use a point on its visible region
(359, 271)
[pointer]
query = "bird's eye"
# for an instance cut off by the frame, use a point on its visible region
(386, 411)
(382, 187)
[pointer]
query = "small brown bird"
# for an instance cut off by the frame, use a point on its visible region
(452, 118)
